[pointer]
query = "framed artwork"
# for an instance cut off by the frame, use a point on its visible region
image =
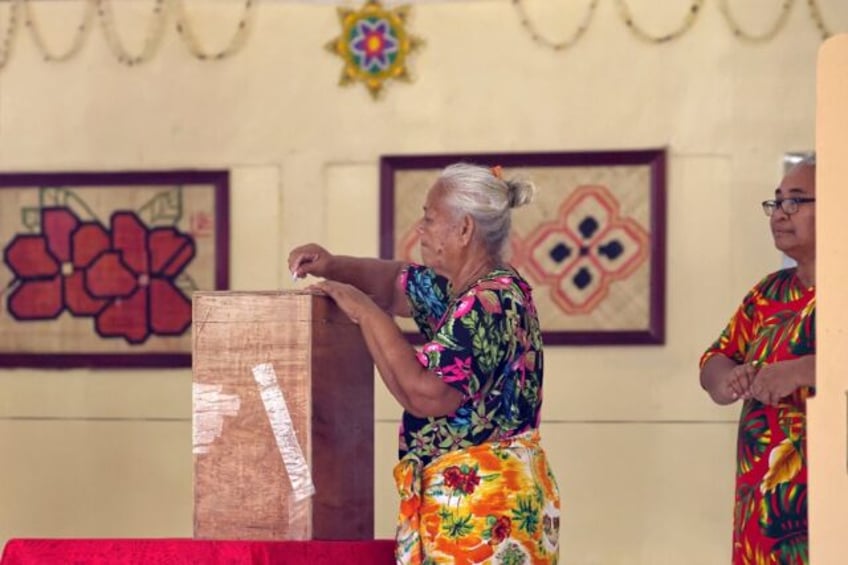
(99, 267)
(591, 244)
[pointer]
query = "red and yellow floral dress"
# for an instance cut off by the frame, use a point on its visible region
(775, 322)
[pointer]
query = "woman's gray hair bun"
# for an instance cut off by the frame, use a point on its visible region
(484, 194)
(520, 192)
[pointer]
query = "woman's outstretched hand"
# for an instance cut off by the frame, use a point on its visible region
(309, 259)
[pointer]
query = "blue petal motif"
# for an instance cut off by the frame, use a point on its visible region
(462, 417)
(423, 291)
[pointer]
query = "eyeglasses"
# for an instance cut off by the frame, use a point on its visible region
(788, 205)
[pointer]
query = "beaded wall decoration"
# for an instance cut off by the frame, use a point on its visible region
(374, 41)
(82, 31)
(771, 32)
(691, 15)
(189, 36)
(152, 39)
(776, 18)
(537, 36)
(374, 44)
(27, 13)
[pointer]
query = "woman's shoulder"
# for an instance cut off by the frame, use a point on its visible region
(502, 279)
(506, 283)
(778, 284)
(781, 275)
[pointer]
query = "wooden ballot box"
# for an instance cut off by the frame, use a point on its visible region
(283, 418)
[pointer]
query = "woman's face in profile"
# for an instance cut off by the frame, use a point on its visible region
(795, 234)
(437, 232)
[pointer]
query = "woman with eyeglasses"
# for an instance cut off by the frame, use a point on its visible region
(765, 357)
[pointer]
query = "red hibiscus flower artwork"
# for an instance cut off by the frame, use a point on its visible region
(50, 267)
(137, 275)
(124, 277)
(98, 269)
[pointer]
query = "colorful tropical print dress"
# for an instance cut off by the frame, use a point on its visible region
(776, 322)
(475, 485)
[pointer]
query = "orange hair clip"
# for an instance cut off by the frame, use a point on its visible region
(497, 171)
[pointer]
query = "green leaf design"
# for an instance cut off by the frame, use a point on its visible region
(793, 424)
(480, 419)
(526, 515)
(745, 506)
(31, 218)
(186, 284)
(422, 440)
(457, 526)
(783, 511)
(451, 438)
(485, 345)
(754, 436)
(164, 208)
(794, 550)
(444, 337)
(773, 331)
(59, 197)
(803, 338)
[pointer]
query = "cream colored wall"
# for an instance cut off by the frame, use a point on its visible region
(644, 460)
(827, 412)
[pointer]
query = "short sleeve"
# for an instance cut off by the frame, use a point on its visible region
(734, 340)
(427, 295)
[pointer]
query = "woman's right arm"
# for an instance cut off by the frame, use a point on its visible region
(726, 380)
(379, 278)
(723, 375)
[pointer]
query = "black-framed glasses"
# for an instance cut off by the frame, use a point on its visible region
(788, 205)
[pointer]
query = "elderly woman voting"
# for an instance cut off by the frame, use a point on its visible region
(766, 358)
(474, 482)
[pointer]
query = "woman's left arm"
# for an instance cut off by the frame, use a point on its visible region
(806, 371)
(779, 380)
(418, 390)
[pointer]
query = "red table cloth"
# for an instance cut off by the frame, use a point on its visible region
(195, 552)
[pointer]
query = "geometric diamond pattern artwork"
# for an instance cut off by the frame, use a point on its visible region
(584, 249)
(591, 243)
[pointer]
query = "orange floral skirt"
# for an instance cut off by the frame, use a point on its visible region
(492, 503)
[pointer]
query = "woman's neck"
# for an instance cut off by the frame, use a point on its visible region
(806, 273)
(470, 272)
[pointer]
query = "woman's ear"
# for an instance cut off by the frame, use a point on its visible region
(466, 229)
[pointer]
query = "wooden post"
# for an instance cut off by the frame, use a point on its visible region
(827, 417)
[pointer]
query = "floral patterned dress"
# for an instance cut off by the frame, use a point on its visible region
(475, 485)
(776, 322)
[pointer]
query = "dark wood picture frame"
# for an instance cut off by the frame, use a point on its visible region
(58, 191)
(653, 332)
